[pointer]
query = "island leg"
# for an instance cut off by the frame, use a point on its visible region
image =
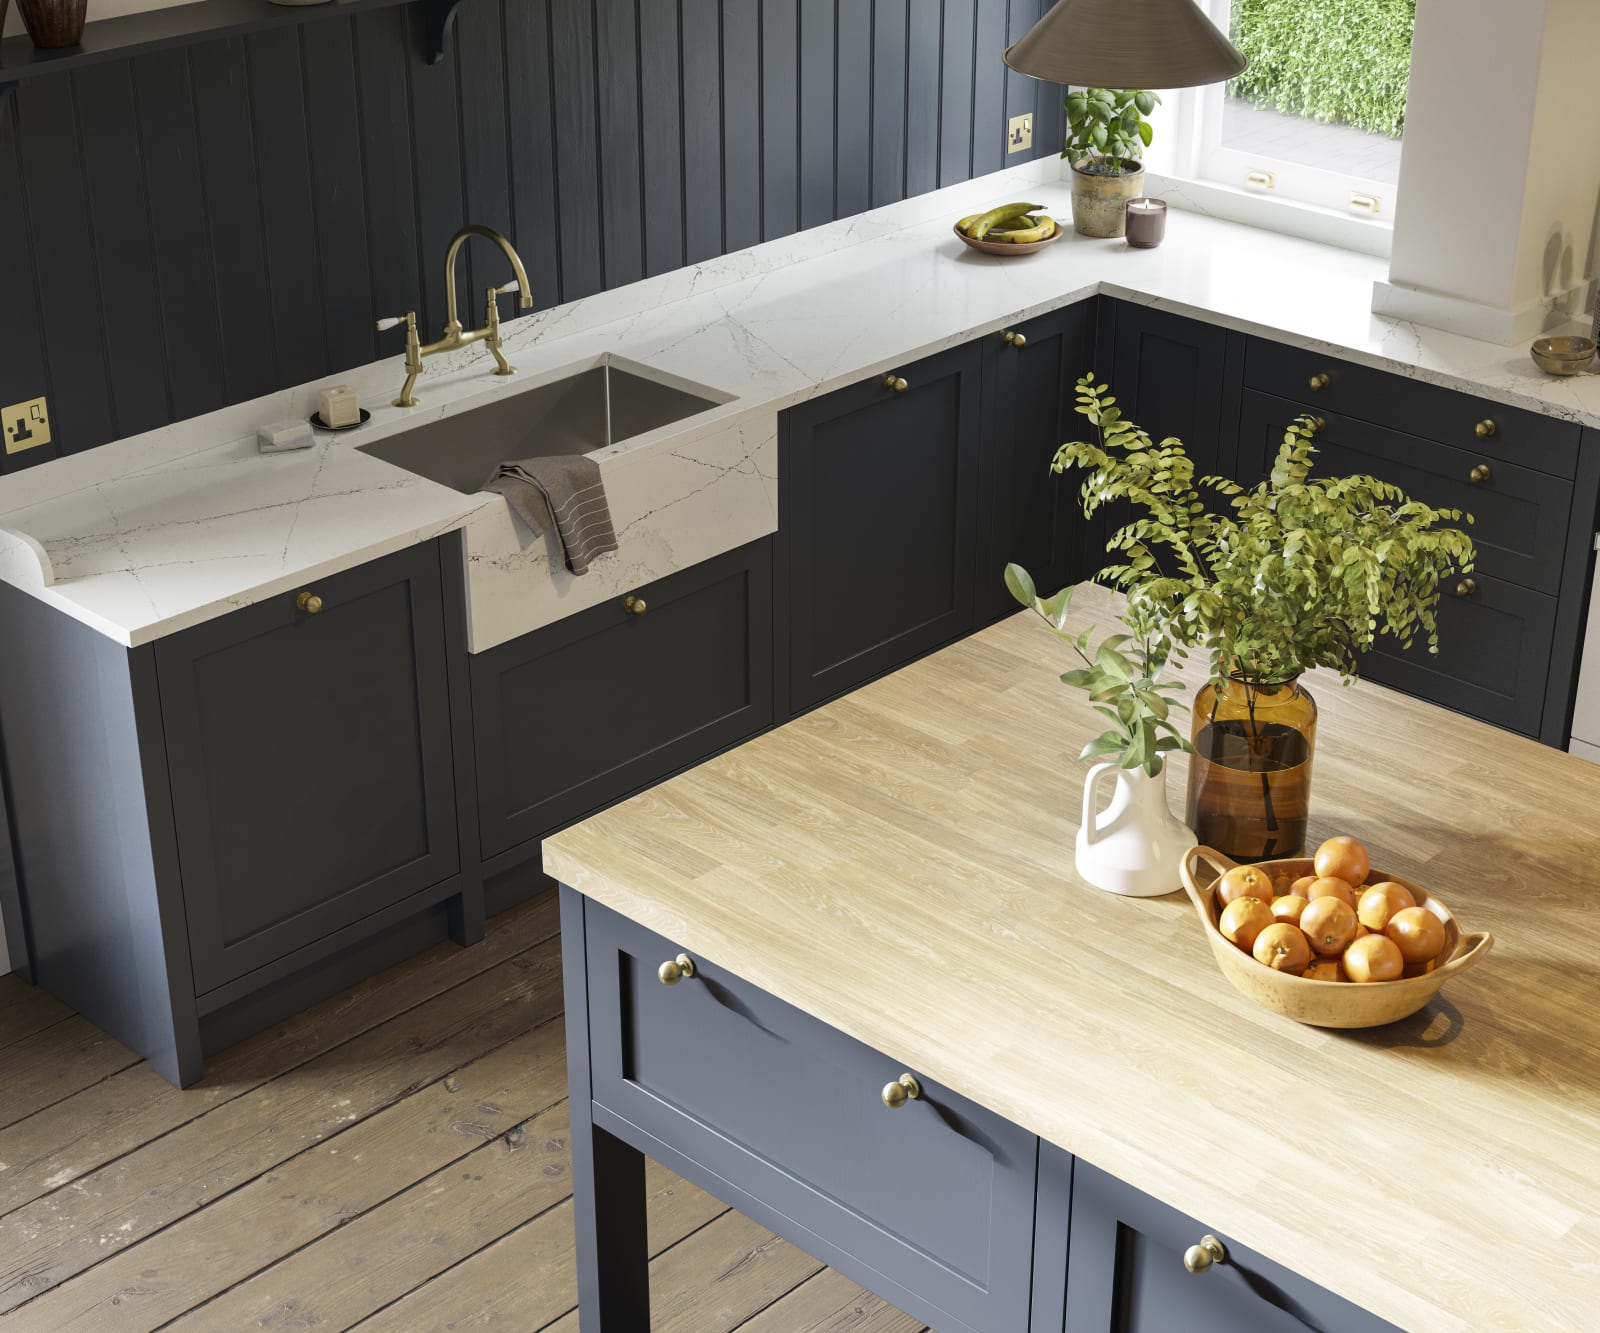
(608, 1191)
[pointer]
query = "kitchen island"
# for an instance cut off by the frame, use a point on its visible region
(886, 885)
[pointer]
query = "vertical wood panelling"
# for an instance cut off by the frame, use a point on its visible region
(200, 226)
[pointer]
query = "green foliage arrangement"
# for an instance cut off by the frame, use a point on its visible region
(1291, 574)
(1106, 128)
(1121, 678)
(1331, 60)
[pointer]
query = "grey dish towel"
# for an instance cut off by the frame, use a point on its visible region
(566, 491)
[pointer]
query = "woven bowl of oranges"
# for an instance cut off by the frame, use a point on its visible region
(1326, 940)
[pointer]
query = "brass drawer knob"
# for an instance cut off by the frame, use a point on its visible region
(1485, 428)
(903, 1089)
(896, 383)
(635, 606)
(1318, 382)
(1466, 587)
(1210, 1250)
(675, 970)
(1479, 474)
(1318, 425)
(1014, 339)
(308, 602)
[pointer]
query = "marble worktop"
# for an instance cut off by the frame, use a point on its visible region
(158, 532)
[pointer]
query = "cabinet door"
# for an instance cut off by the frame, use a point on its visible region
(1170, 376)
(1126, 1274)
(1032, 515)
(576, 715)
(879, 494)
(310, 760)
(930, 1205)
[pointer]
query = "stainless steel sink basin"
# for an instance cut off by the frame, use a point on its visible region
(577, 414)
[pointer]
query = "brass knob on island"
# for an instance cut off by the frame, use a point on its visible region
(308, 602)
(635, 606)
(1014, 339)
(1466, 587)
(904, 1088)
(1210, 1250)
(1479, 474)
(1317, 383)
(896, 383)
(1485, 428)
(675, 970)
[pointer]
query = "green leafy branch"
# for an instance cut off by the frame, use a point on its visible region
(1106, 127)
(1121, 678)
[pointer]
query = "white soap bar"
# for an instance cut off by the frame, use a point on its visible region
(339, 405)
(282, 436)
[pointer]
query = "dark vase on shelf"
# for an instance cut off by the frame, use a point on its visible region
(54, 23)
(1250, 775)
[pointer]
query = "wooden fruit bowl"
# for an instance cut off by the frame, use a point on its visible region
(1008, 249)
(1325, 1004)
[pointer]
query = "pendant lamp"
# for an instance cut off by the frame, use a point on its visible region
(1126, 44)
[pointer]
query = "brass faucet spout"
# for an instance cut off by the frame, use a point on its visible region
(524, 295)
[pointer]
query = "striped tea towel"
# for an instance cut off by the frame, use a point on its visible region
(566, 491)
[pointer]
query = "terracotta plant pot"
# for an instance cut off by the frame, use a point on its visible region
(54, 23)
(1099, 201)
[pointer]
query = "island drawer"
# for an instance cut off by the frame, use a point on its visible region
(1126, 1273)
(1431, 411)
(1520, 514)
(929, 1204)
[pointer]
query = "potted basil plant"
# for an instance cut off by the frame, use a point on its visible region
(1107, 134)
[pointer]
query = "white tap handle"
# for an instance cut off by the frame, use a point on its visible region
(512, 286)
(384, 325)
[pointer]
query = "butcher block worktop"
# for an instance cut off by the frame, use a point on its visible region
(899, 864)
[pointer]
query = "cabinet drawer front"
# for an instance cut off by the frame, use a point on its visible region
(1429, 410)
(1125, 1274)
(574, 716)
(1520, 514)
(931, 1204)
(310, 760)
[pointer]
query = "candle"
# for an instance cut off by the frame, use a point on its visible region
(1146, 221)
(339, 406)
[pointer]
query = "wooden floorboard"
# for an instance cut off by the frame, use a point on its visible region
(394, 1159)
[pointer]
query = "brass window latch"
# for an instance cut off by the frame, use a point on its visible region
(454, 335)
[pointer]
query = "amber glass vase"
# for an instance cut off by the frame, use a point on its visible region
(1250, 774)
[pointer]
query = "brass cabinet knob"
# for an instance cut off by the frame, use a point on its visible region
(896, 1094)
(1466, 587)
(1479, 474)
(1318, 382)
(675, 970)
(1210, 1250)
(1014, 339)
(635, 606)
(1485, 428)
(308, 602)
(1318, 425)
(896, 383)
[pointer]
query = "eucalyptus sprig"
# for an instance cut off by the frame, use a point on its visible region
(1121, 678)
(1293, 573)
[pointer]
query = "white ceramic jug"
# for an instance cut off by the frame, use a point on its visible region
(1134, 846)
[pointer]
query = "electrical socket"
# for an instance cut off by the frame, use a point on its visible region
(26, 425)
(1019, 134)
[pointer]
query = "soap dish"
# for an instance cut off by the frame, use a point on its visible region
(1569, 355)
(320, 424)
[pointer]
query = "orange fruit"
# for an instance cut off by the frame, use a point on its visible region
(1283, 948)
(1373, 958)
(1244, 882)
(1328, 886)
(1343, 858)
(1418, 933)
(1300, 885)
(1288, 908)
(1325, 969)
(1282, 883)
(1243, 919)
(1360, 931)
(1330, 924)
(1379, 902)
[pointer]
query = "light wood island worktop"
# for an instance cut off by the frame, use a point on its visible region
(899, 864)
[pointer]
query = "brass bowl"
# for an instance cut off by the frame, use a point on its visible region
(1325, 1004)
(1568, 355)
(1008, 248)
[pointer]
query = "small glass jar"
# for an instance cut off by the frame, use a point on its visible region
(1250, 774)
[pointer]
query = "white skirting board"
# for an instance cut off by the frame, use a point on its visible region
(1584, 750)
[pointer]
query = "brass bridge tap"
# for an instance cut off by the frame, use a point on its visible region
(454, 335)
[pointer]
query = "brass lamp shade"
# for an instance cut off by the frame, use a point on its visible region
(1126, 44)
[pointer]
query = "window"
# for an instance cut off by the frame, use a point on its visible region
(1318, 116)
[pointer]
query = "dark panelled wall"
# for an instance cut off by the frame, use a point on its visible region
(193, 228)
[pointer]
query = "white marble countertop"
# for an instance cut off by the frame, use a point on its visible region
(152, 534)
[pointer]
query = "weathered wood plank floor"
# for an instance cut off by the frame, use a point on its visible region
(394, 1159)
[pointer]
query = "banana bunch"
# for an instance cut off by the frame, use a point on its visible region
(1018, 223)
